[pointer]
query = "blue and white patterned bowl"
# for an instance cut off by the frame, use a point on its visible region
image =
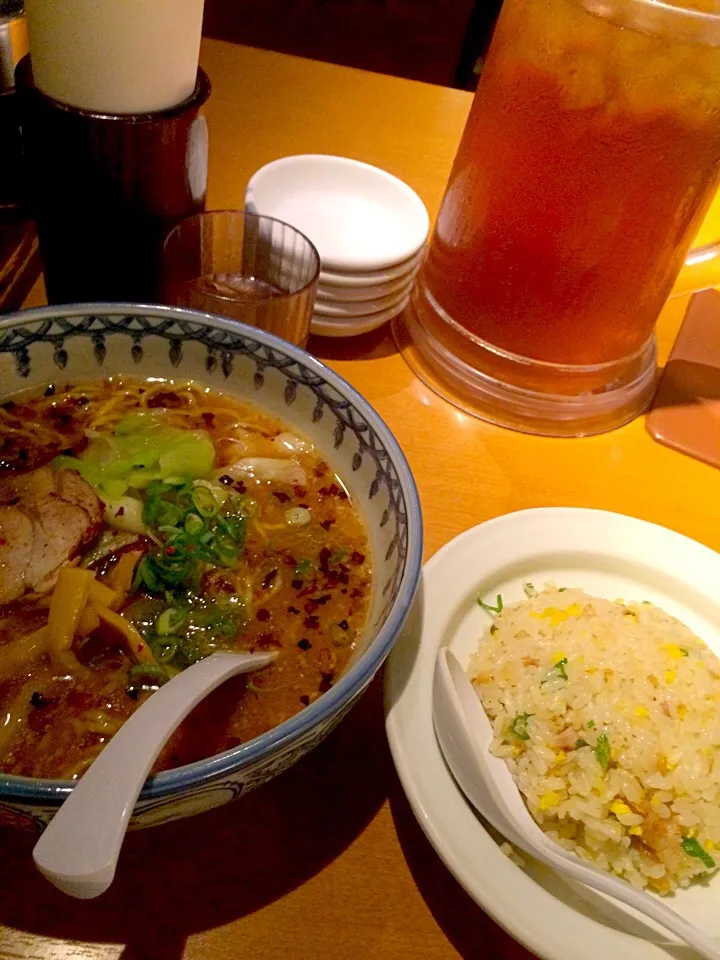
(57, 344)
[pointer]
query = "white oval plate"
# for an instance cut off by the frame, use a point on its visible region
(608, 555)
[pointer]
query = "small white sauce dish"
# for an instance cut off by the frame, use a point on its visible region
(359, 217)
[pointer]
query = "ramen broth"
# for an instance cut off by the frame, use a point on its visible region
(192, 522)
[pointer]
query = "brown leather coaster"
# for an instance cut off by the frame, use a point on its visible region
(686, 411)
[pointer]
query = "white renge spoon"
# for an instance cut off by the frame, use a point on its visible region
(78, 851)
(465, 735)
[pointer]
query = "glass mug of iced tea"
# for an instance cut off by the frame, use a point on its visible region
(589, 158)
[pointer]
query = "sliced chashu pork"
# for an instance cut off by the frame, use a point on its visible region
(46, 518)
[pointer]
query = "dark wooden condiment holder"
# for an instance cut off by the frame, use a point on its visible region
(104, 189)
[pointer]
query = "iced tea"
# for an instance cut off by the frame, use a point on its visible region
(589, 158)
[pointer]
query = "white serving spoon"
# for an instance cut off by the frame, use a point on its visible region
(78, 851)
(465, 735)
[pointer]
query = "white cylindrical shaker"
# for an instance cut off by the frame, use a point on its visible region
(115, 56)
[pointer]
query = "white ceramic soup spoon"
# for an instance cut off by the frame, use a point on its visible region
(465, 735)
(78, 851)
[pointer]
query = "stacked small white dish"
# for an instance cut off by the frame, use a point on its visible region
(369, 228)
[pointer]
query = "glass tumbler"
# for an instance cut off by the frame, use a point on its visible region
(588, 161)
(244, 266)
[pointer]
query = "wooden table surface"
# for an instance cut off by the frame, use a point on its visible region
(327, 861)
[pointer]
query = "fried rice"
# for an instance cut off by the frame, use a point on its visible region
(607, 715)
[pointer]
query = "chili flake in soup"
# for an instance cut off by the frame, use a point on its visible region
(144, 525)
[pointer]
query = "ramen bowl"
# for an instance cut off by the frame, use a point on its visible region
(91, 341)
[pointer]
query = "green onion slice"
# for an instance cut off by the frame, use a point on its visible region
(169, 621)
(518, 728)
(693, 848)
(205, 501)
(147, 675)
(602, 751)
(489, 608)
(557, 671)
